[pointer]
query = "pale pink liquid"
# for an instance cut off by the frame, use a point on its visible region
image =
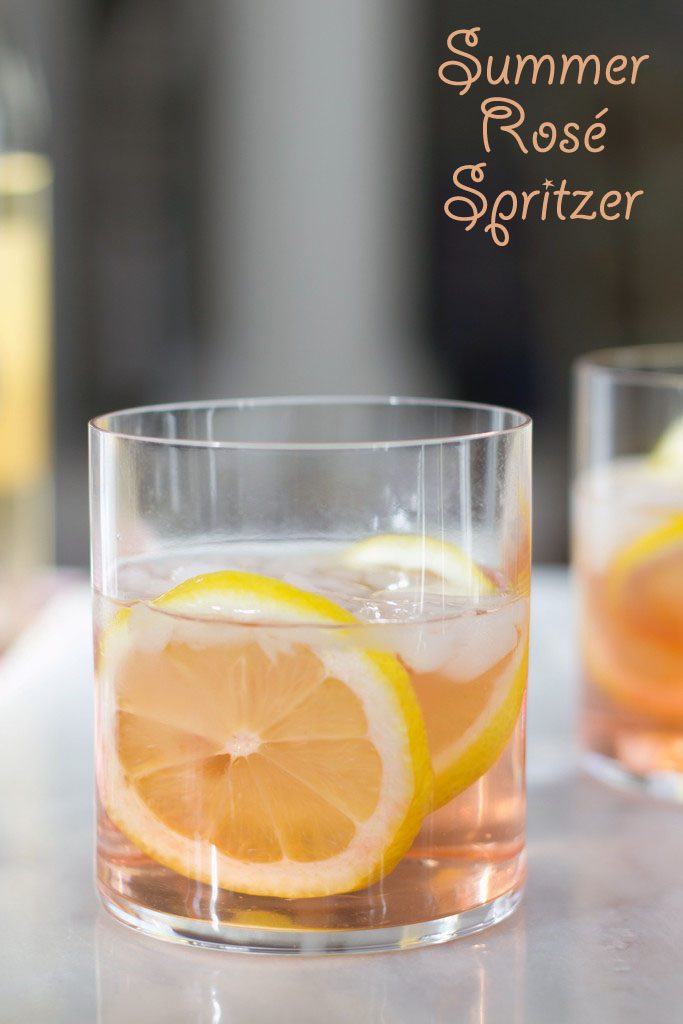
(467, 853)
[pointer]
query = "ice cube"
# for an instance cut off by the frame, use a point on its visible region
(461, 646)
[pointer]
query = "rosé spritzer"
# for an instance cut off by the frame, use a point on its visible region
(628, 553)
(308, 741)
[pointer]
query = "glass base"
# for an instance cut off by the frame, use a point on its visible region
(191, 932)
(659, 784)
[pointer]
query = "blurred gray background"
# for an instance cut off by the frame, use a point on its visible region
(249, 201)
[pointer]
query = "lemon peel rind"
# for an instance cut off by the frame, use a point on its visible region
(274, 594)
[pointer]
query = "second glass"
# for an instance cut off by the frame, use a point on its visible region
(311, 622)
(628, 554)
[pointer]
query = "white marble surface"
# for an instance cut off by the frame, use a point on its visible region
(599, 938)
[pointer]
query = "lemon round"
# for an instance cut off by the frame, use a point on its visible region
(250, 761)
(410, 552)
(633, 639)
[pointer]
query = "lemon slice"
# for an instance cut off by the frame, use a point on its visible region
(650, 560)
(242, 758)
(470, 723)
(668, 452)
(415, 553)
(633, 643)
(469, 716)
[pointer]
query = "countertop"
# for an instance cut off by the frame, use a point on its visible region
(599, 937)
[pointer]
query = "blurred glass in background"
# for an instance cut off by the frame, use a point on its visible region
(249, 200)
(26, 535)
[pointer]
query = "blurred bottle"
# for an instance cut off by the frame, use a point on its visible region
(26, 533)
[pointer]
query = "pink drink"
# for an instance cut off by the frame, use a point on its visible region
(466, 662)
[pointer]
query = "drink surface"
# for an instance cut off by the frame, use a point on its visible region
(629, 556)
(301, 836)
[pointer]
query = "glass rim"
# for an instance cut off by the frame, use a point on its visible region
(98, 424)
(656, 365)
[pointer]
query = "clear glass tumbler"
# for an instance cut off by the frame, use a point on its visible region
(628, 557)
(311, 637)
